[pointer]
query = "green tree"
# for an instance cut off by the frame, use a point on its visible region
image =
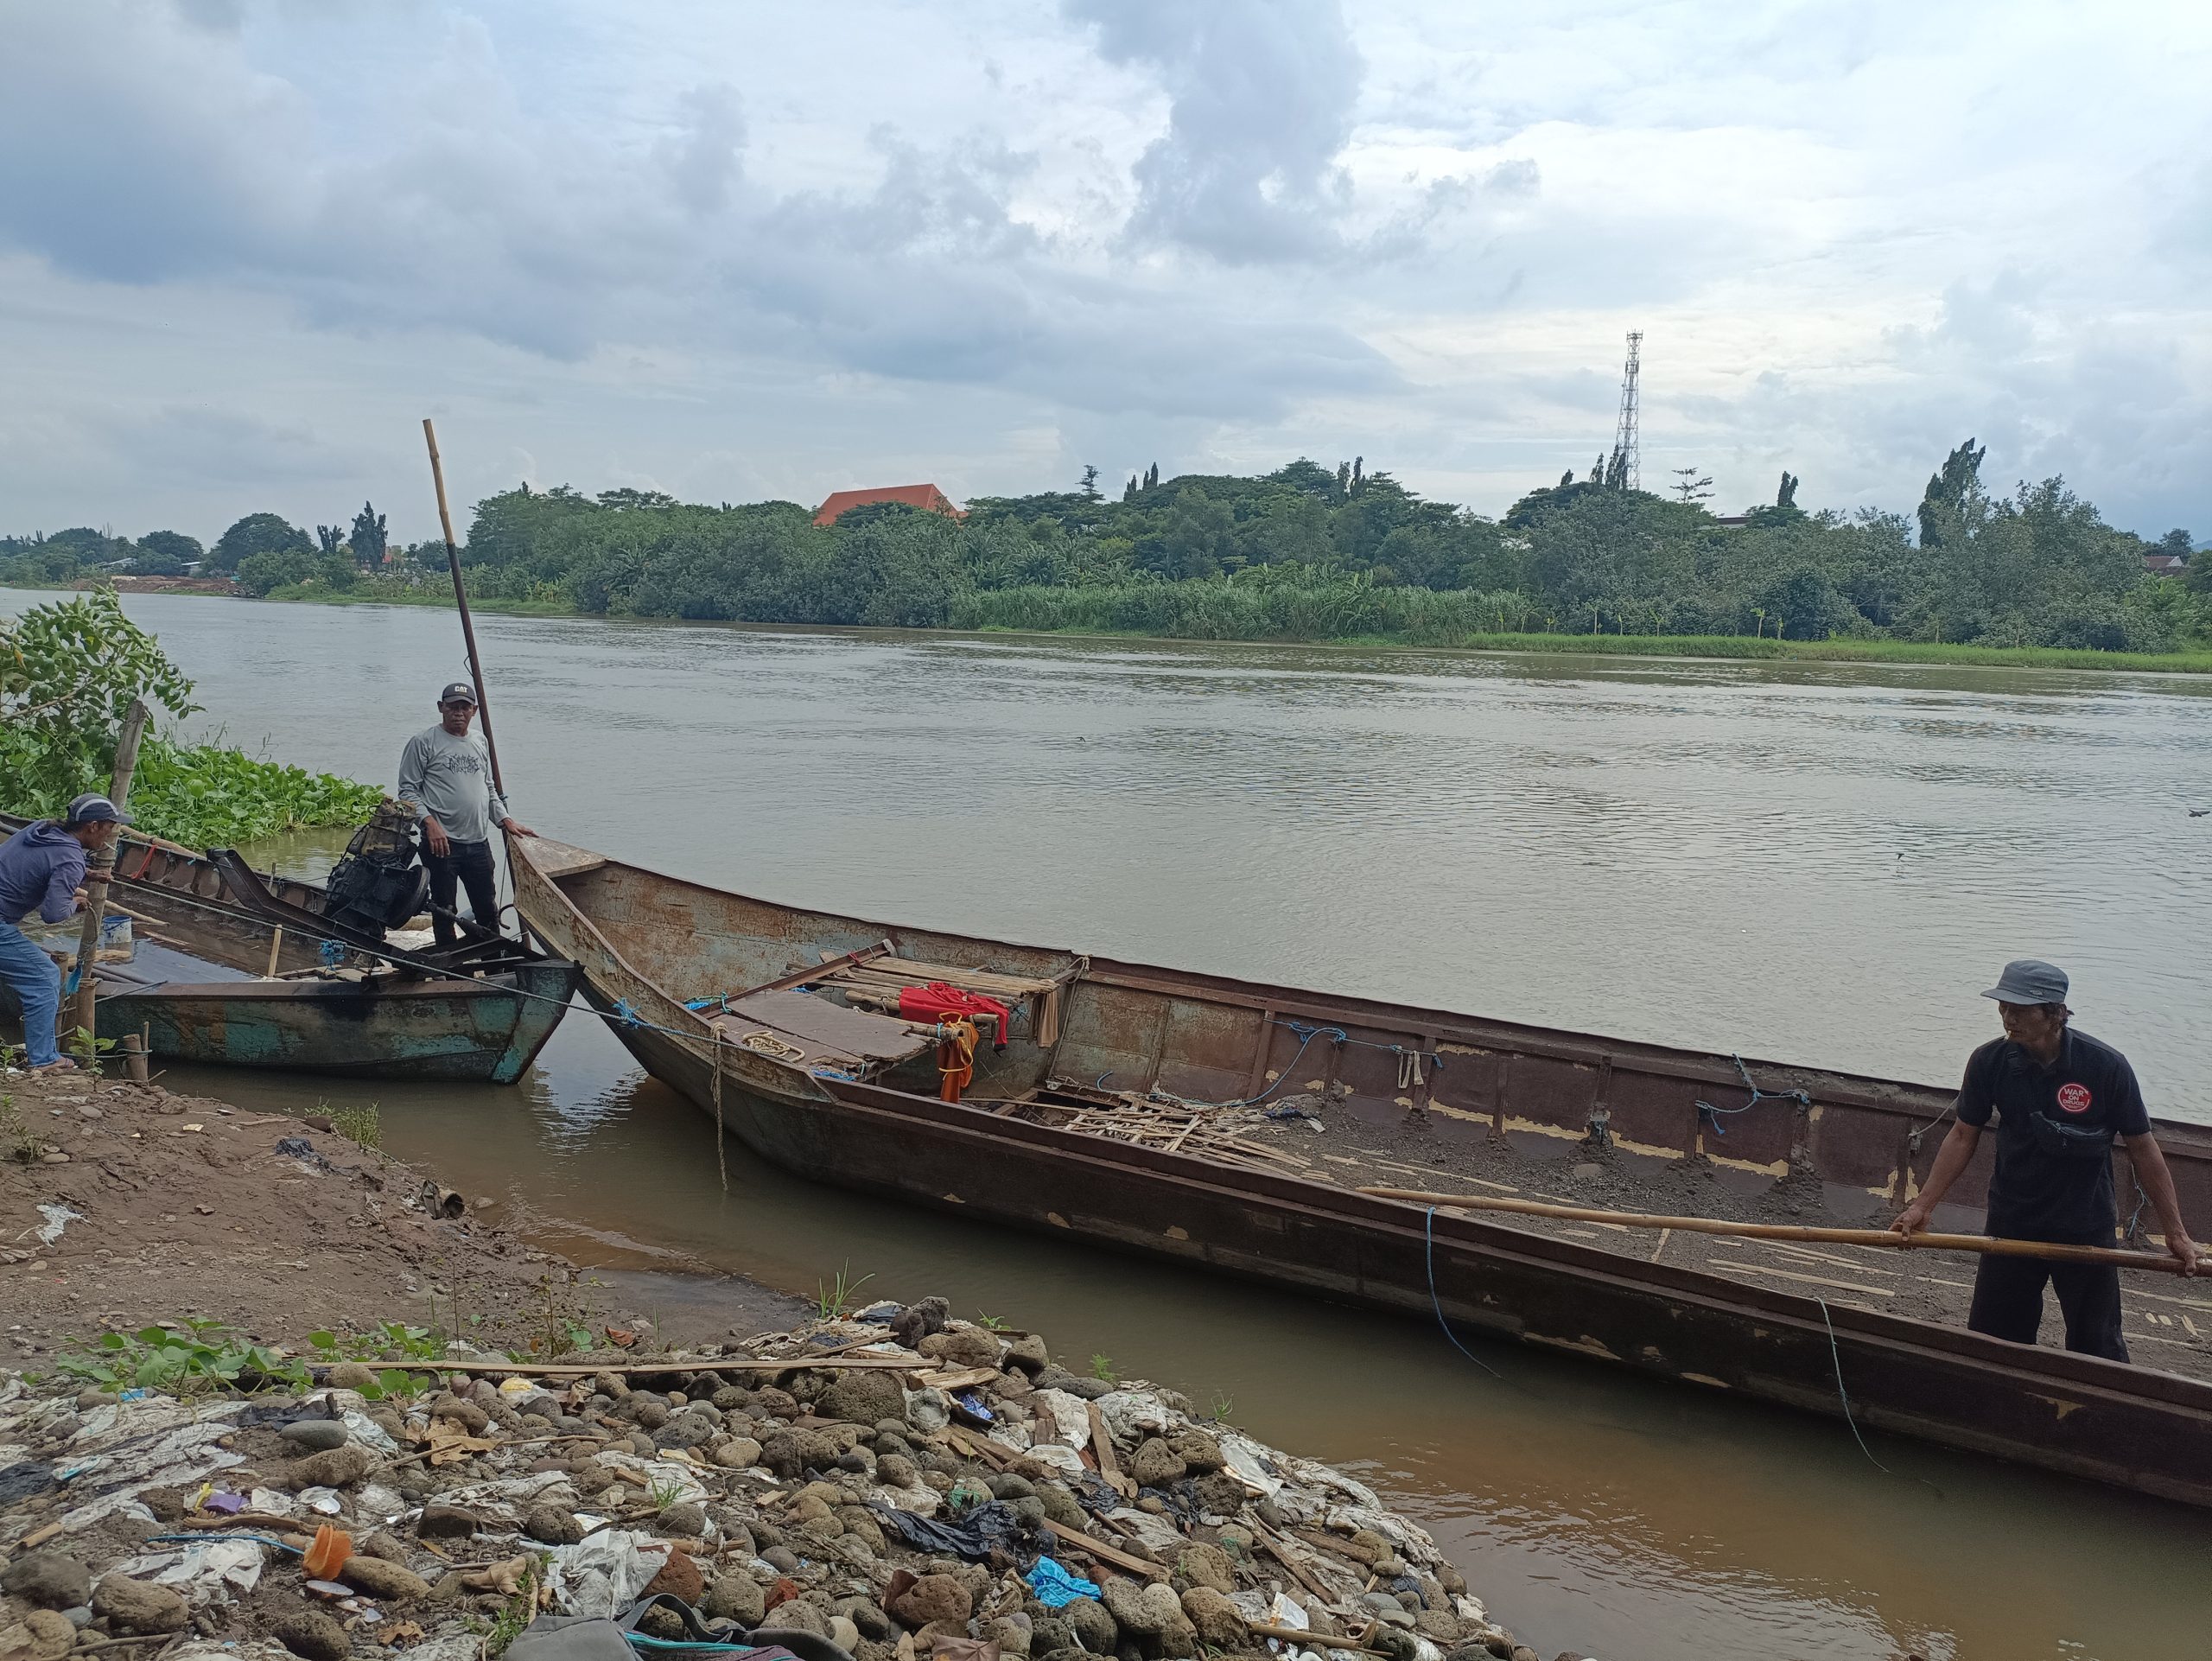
(166, 553)
(1951, 506)
(68, 672)
(368, 540)
(258, 533)
(1690, 487)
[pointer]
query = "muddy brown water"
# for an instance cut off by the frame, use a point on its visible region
(1816, 862)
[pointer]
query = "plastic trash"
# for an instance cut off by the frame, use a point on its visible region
(602, 1575)
(1056, 1586)
(973, 1536)
(1062, 1418)
(328, 1554)
(206, 1573)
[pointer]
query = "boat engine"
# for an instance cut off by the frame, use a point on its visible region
(377, 885)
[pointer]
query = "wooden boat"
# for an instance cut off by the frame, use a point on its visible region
(215, 980)
(771, 1019)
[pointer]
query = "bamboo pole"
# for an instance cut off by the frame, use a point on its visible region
(96, 882)
(1881, 1238)
(460, 598)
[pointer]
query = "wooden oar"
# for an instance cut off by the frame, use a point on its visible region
(1881, 1238)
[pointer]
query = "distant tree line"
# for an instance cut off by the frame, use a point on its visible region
(261, 551)
(1309, 551)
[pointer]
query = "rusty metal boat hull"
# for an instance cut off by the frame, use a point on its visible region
(648, 944)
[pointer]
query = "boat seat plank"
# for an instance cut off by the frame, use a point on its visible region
(556, 860)
(816, 1022)
(911, 971)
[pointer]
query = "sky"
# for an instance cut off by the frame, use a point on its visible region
(736, 251)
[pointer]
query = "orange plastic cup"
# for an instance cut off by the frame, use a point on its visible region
(332, 1546)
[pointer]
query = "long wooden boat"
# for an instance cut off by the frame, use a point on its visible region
(774, 1020)
(225, 985)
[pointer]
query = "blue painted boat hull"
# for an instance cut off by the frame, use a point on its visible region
(485, 1031)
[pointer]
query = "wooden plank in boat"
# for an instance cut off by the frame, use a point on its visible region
(558, 859)
(817, 1021)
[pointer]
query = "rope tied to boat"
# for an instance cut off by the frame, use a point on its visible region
(1428, 1237)
(765, 1042)
(1712, 1115)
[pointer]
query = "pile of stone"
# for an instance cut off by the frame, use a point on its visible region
(900, 1485)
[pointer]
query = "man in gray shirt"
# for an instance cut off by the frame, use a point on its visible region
(445, 778)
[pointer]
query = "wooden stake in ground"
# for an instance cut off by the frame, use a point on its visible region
(1878, 1239)
(103, 870)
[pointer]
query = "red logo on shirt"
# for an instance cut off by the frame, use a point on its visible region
(2075, 1098)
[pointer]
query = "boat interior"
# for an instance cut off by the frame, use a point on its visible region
(1154, 1055)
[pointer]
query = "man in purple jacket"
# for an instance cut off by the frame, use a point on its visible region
(43, 870)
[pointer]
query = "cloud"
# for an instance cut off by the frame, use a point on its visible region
(1210, 235)
(1262, 94)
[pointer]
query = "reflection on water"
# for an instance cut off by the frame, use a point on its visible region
(1818, 862)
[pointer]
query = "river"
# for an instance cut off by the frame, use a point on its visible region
(1822, 863)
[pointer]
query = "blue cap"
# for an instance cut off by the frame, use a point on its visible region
(92, 808)
(2029, 980)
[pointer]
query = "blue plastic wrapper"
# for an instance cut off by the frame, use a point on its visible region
(1055, 1588)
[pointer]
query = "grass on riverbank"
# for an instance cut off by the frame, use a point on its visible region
(1737, 646)
(313, 594)
(1840, 650)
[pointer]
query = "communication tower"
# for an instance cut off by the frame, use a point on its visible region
(1624, 438)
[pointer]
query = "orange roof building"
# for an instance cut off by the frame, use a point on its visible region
(928, 498)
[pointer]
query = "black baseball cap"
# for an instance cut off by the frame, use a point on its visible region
(458, 692)
(92, 808)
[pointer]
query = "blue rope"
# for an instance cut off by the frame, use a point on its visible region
(214, 1534)
(1707, 1111)
(331, 952)
(1428, 1233)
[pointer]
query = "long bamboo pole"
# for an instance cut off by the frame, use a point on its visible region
(84, 986)
(460, 598)
(1989, 1246)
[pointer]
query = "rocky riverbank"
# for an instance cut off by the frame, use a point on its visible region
(897, 1485)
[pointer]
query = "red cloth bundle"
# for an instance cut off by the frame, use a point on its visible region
(939, 998)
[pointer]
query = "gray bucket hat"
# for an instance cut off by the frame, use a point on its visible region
(2029, 980)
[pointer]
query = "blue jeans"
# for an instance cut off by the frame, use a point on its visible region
(36, 982)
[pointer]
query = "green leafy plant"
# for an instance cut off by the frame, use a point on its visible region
(514, 1614)
(361, 1125)
(189, 1358)
(991, 1323)
(834, 1301)
(664, 1494)
(68, 672)
(389, 1340)
(1221, 1408)
(88, 1050)
(16, 1142)
(1102, 1367)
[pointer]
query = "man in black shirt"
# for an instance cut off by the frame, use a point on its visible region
(2060, 1097)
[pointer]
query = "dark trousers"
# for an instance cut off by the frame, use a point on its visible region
(2008, 1302)
(467, 865)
